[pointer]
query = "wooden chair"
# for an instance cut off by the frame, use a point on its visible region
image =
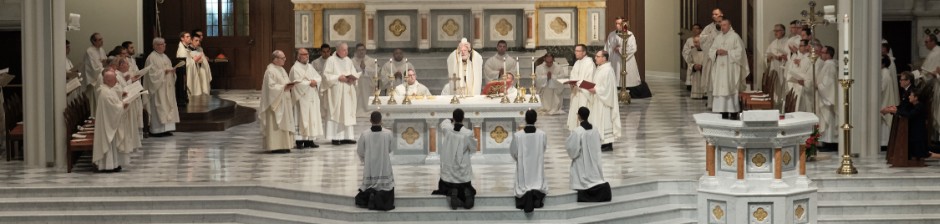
(789, 103)
(75, 115)
(770, 87)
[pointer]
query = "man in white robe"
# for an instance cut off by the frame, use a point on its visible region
(131, 54)
(550, 90)
(727, 53)
(467, 66)
(889, 97)
(613, 46)
(826, 104)
(276, 113)
(457, 147)
(583, 70)
(182, 55)
(134, 115)
(527, 148)
(499, 64)
(799, 75)
(108, 155)
(793, 43)
(584, 149)
(198, 72)
(687, 49)
(94, 57)
(776, 61)
(393, 71)
(411, 86)
(604, 102)
(377, 190)
(928, 73)
(340, 77)
(708, 35)
(160, 81)
(367, 67)
(695, 57)
(325, 53)
(633, 80)
(306, 96)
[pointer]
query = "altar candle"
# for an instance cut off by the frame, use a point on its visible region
(845, 32)
(516, 76)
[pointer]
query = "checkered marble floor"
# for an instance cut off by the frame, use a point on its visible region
(660, 140)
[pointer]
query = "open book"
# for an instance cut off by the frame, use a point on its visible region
(351, 78)
(584, 83)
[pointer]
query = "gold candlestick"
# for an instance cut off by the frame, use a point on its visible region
(623, 96)
(407, 100)
(378, 89)
(847, 167)
(520, 93)
(533, 98)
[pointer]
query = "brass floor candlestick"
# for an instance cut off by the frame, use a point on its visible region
(624, 96)
(847, 167)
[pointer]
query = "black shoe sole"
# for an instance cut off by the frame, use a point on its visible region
(337, 142)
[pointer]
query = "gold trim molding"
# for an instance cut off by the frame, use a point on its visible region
(322, 6)
(572, 4)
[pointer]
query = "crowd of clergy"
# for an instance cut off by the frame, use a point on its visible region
(908, 108)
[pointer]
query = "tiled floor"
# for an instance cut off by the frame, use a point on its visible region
(660, 141)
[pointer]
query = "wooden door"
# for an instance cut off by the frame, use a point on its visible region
(633, 11)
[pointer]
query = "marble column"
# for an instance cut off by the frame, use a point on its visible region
(530, 29)
(477, 28)
(43, 35)
(424, 43)
(370, 29)
(864, 55)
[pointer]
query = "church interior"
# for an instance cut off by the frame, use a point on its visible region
(830, 119)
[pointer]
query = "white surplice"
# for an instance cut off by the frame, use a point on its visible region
(605, 109)
(583, 69)
(889, 97)
(374, 149)
(550, 90)
(633, 72)
(695, 56)
(306, 100)
(528, 149)
(276, 114)
(826, 103)
(776, 48)
(728, 71)
(469, 73)
(91, 74)
(457, 147)
(198, 74)
(803, 71)
(584, 149)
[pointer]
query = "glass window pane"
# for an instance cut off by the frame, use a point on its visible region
(212, 18)
(228, 20)
(242, 17)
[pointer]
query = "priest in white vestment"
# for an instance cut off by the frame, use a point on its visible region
(393, 71)
(527, 148)
(160, 81)
(613, 46)
(929, 72)
(793, 43)
(730, 66)
(306, 96)
(276, 114)
(499, 64)
(633, 72)
(368, 67)
(108, 156)
(695, 57)
(550, 90)
(318, 64)
(687, 48)
(604, 102)
(411, 86)
(340, 77)
(583, 70)
(889, 97)
(799, 76)
(134, 114)
(708, 35)
(457, 147)
(198, 73)
(375, 146)
(584, 149)
(92, 68)
(777, 54)
(466, 65)
(826, 105)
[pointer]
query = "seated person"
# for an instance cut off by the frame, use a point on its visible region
(506, 82)
(528, 149)
(457, 146)
(584, 148)
(411, 84)
(377, 191)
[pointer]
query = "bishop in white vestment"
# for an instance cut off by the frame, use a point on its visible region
(466, 65)
(276, 113)
(161, 82)
(306, 95)
(527, 148)
(584, 149)
(375, 146)
(340, 77)
(583, 70)
(550, 90)
(108, 155)
(457, 147)
(729, 70)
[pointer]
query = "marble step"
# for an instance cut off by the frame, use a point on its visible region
(900, 181)
(879, 193)
(150, 216)
(340, 211)
(879, 219)
(879, 207)
(652, 214)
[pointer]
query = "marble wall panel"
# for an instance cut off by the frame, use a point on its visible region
(343, 25)
(557, 26)
(440, 27)
(397, 29)
(411, 135)
(760, 213)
